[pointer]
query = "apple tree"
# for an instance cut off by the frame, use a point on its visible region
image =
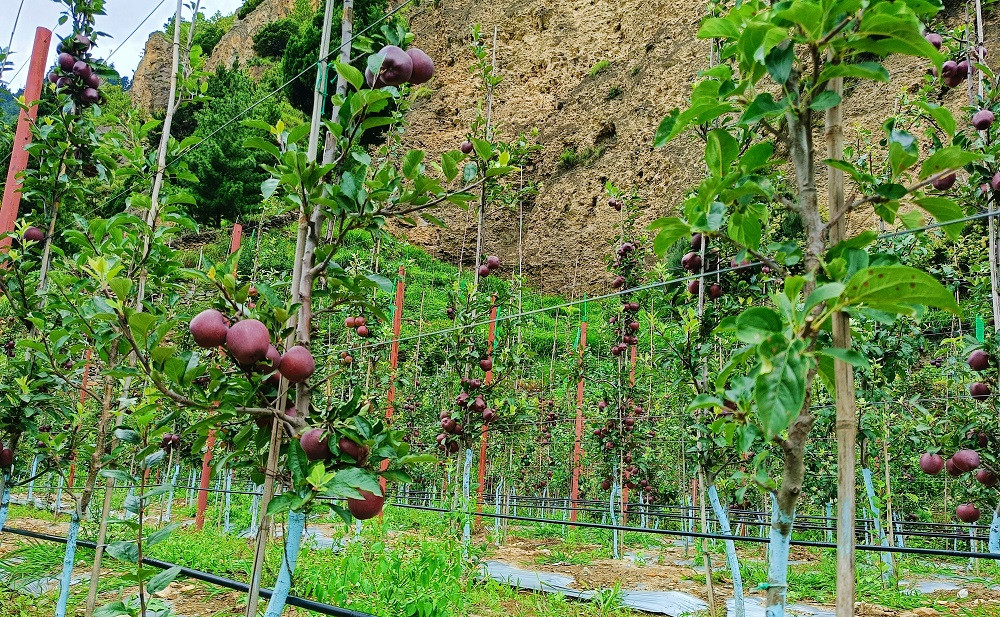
(781, 72)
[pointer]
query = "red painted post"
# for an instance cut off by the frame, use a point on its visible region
(578, 444)
(485, 439)
(234, 245)
(22, 137)
(206, 469)
(397, 328)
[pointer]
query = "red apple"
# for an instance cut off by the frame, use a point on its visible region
(943, 183)
(423, 66)
(356, 451)
(949, 466)
(966, 460)
(987, 478)
(316, 444)
(484, 271)
(368, 507)
(66, 62)
(248, 341)
(934, 39)
(693, 287)
(983, 119)
(6, 458)
(397, 68)
(350, 323)
(209, 329)
(466, 147)
(362, 331)
(492, 262)
(931, 463)
(486, 364)
(34, 234)
(980, 391)
(979, 360)
(297, 364)
(967, 513)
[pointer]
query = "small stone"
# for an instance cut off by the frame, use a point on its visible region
(963, 593)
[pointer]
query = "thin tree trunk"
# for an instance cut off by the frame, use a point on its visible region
(731, 558)
(293, 541)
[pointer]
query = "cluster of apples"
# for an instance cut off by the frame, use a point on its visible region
(315, 442)
(545, 426)
(359, 324)
(492, 263)
(692, 262)
(980, 361)
(8, 348)
(74, 74)
(963, 461)
(399, 67)
(451, 429)
(982, 120)
(954, 72)
(249, 343)
(170, 441)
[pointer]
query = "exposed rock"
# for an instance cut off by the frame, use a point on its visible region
(236, 46)
(924, 611)
(151, 83)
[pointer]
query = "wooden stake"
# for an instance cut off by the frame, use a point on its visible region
(846, 423)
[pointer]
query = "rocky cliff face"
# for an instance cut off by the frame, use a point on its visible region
(151, 82)
(547, 51)
(152, 77)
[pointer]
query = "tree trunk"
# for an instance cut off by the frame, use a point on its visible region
(293, 541)
(67, 569)
(994, 541)
(731, 558)
(4, 500)
(777, 559)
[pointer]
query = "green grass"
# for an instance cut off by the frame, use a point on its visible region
(598, 68)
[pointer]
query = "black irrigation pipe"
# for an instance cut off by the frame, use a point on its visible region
(748, 518)
(214, 579)
(716, 536)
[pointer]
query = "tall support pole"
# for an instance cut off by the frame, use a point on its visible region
(397, 328)
(346, 36)
(574, 490)
(271, 467)
(322, 79)
(22, 136)
(206, 468)
(485, 439)
(846, 423)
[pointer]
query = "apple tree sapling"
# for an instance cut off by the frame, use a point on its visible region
(783, 350)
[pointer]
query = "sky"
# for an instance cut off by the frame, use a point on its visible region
(122, 18)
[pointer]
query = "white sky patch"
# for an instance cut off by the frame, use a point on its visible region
(121, 19)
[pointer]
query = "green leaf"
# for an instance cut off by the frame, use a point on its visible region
(779, 62)
(113, 609)
(763, 106)
(152, 459)
(825, 100)
(942, 115)
(780, 385)
(162, 580)
(756, 156)
(860, 70)
(952, 157)
(721, 149)
(353, 76)
(259, 143)
(745, 229)
(718, 28)
(944, 209)
(124, 550)
(411, 163)
(267, 187)
(279, 503)
(823, 293)
(356, 477)
(850, 356)
(897, 289)
(161, 534)
(671, 229)
(118, 475)
(756, 324)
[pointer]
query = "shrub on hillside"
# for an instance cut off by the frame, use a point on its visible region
(273, 38)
